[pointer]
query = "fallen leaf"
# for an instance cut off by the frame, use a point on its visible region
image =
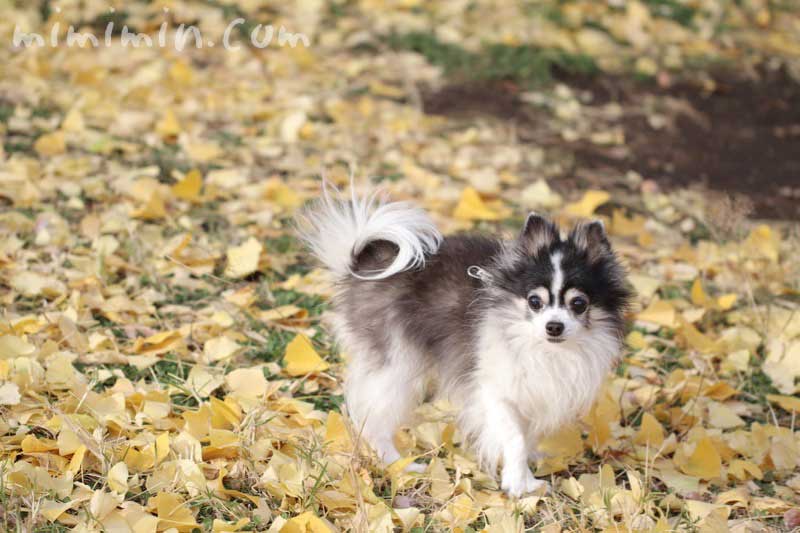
(243, 259)
(651, 432)
(586, 206)
(472, 207)
(704, 462)
(173, 513)
(51, 144)
(9, 394)
(306, 523)
(300, 358)
(189, 187)
(659, 312)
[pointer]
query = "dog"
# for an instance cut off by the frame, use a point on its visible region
(518, 333)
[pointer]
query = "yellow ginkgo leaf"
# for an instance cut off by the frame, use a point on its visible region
(744, 470)
(586, 206)
(220, 348)
(720, 391)
(699, 296)
(658, 312)
(726, 301)
(626, 227)
(219, 526)
(539, 195)
(279, 193)
(701, 299)
(694, 338)
(12, 346)
(31, 444)
(636, 340)
(763, 242)
(152, 210)
(181, 73)
(189, 187)
(203, 152)
(159, 449)
(472, 207)
(283, 313)
(307, 522)
(650, 433)
(51, 509)
(117, 478)
(9, 394)
(73, 121)
(704, 462)
(461, 511)
(243, 259)
(789, 403)
(247, 382)
(168, 126)
(301, 358)
(723, 417)
(336, 435)
(172, 512)
(158, 343)
(51, 144)
(77, 460)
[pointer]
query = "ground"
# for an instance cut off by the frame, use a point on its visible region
(164, 359)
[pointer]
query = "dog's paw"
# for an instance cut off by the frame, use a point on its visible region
(518, 482)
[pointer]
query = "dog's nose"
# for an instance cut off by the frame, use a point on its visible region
(554, 329)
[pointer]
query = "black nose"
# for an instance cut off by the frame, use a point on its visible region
(554, 329)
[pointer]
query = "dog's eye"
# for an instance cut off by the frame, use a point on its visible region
(578, 305)
(535, 302)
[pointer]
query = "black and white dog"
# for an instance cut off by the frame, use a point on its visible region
(519, 334)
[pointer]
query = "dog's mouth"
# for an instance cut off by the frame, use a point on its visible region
(556, 340)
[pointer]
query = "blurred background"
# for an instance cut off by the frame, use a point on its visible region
(666, 93)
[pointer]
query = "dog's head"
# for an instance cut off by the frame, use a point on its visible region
(559, 292)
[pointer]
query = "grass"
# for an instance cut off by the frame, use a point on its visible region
(6, 111)
(313, 304)
(190, 297)
(527, 65)
(678, 11)
(118, 17)
(167, 159)
(273, 349)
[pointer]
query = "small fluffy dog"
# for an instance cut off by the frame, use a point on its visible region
(519, 334)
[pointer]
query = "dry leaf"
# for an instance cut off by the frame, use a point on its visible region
(586, 206)
(243, 259)
(301, 358)
(472, 207)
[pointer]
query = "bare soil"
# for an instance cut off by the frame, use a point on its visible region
(741, 137)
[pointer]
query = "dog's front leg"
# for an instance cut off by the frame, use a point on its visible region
(516, 477)
(507, 441)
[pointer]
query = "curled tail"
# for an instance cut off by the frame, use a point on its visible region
(337, 230)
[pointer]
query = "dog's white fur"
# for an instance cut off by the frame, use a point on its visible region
(337, 231)
(524, 387)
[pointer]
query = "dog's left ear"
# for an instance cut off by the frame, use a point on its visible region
(591, 237)
(537, 233)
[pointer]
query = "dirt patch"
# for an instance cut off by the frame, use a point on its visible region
(742, 137)
(490, 98)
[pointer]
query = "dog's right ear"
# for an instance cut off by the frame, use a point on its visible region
(537, 233)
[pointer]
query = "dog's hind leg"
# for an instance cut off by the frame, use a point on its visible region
(380, 398)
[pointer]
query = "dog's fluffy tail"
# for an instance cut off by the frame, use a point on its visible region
(337, 230)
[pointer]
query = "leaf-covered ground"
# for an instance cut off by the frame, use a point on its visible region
(163, 359)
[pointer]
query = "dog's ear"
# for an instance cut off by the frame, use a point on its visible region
(537, 233)
(591, 237)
